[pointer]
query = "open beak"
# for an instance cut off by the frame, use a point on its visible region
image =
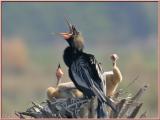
(59, 66)
(65, 35)
(72, 30)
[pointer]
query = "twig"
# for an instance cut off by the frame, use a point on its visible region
(133, 100)
(139, 93)
(19, 115)
(119, 107)
(135, 111)
(144, 115)
(132, 82)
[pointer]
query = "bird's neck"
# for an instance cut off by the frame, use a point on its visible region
(114, 64)
(70, 55)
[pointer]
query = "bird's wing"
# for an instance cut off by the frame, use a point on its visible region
(84, 73)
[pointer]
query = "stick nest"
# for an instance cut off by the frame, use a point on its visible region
(127, 107)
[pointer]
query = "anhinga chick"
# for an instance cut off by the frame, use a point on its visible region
(59, 74)
(52, 91)
(112, 78)
(62, 90)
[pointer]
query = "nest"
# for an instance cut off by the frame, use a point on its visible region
(126, 106)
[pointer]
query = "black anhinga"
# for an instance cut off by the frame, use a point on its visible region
(84, 70)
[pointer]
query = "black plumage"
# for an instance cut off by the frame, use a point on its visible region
(85, 71)
(84, 74)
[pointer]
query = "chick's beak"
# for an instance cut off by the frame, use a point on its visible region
(66, 36)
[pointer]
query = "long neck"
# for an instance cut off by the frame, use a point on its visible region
(117, 72)
(70, 54)
(114, 64)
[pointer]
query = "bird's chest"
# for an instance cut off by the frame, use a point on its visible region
(110, 86)
(70, 55)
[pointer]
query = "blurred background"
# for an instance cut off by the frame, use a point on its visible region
(31, 50)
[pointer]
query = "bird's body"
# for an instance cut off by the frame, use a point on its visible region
(111, 85)
(64, 90)
(84, 70)
(68, 89)
(112, 78)
(79, 63)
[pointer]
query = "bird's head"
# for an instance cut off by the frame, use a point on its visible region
(114, 57)
(74, 38)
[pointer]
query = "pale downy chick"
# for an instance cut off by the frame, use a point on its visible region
(59, 74)
(63, 90)
(51, 90)
(112, 78)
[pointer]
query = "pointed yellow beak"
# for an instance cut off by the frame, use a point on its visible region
(65, 35)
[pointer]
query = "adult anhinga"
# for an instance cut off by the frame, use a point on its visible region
(84, 70)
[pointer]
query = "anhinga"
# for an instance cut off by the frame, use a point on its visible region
(59, 74)
(112, 78)
(84, 70)
(62, 90)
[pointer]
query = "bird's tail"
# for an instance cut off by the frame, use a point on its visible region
(102, 98)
